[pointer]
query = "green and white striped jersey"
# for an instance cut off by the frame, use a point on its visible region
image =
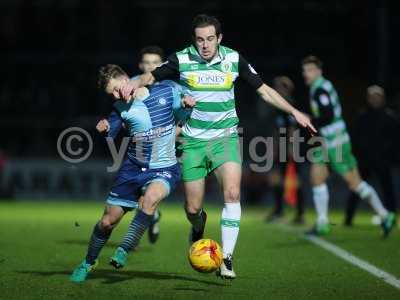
(212, 86)
(327, 113)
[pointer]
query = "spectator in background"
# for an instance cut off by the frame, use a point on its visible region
(377, 147)
(284, 128)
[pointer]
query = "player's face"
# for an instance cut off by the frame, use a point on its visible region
(207, 41)
(150, 62)
(310, 73)
(114, 86)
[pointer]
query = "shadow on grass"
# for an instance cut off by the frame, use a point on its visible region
(111, 276)
(85, 243)
(109, 244)
(191, 289)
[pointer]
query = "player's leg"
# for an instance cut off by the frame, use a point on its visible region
(194, 195)
(229, 176)
(304, 187)
(101, 233)
(319, 174)
(346, 166)
(155, 192)
(351, 207)
(364, 191)
(154, 228)
(225, 160)
(385, 177)
(155, 185)
(367, 192)
(276, 181)
(194, 170)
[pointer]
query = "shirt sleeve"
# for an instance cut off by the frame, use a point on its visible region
(325, 108)
(248, 74)
(115, 121)
(168, 70)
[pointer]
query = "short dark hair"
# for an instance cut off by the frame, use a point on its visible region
(152, 50)
(311, 59)
(204, 20)
(108, 72)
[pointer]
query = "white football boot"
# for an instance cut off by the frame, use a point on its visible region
(226, 269)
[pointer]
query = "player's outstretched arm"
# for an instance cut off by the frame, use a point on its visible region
(168, 70)
(247, 72)
(271, 96)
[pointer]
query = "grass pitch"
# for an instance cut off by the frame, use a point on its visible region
(41, 243)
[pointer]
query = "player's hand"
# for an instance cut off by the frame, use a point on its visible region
(304, 121)
(188, 101)
(178, 131)
(103, 126)
(128, 89)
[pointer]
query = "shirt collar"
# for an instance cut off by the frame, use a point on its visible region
(317, 82)
(194, 54)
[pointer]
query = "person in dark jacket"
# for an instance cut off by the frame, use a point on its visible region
(376, 146)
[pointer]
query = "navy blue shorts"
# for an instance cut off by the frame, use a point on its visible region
(131, 182)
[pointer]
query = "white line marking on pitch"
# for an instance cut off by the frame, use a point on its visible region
(354, 260)
(350, 258)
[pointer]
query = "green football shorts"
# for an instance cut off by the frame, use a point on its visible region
(340, 159)
(200, 157)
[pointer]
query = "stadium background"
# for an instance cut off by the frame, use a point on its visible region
(51, 51)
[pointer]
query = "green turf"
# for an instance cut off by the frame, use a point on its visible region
(42, 242)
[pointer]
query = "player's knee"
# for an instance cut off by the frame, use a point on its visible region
(317, 179)
(353, 181)
(353, 186)
(232, 194)
(193, 207)
(105, 224)
(108, 222)
(318, 175)
(150, 201)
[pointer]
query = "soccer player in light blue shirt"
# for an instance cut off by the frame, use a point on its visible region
(150, 170)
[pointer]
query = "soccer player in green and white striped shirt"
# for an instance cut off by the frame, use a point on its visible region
(210, 140)
(335, 151)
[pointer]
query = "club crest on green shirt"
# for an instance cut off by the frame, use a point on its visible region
(226, 66)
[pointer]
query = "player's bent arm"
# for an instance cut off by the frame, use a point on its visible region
(129, 88)
(115, 124)
(168, 70)
(271, 96)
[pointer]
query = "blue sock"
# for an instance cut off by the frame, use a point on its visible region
(136, 230)
(97, 242)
